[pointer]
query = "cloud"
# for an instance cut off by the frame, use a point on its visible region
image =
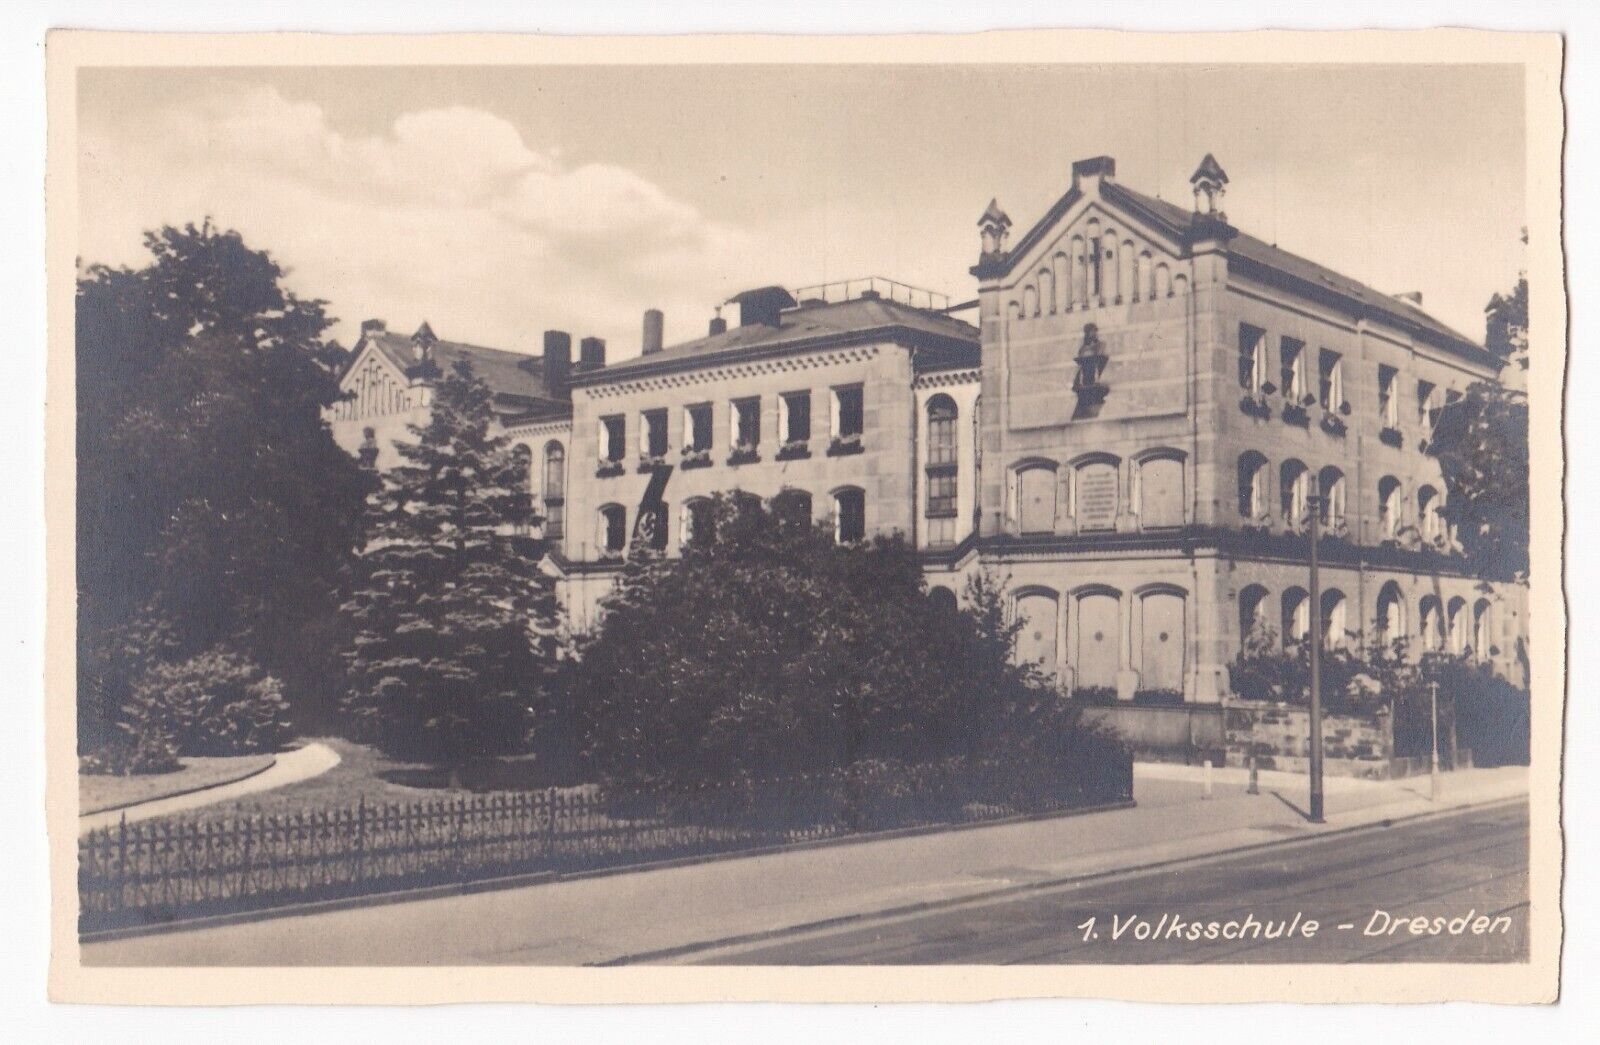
(450, 215)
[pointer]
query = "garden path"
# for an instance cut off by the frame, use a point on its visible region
(302, 763)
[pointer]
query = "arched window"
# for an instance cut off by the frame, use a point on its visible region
(1128, 277)
(942, 470)
(1391, 616)
(1160, 490)
(1390, 507)
(1038, 612)
(1163, 281)
(1294, 490)
(942, 599)
(1429, 523)
(1296, 618)
(1252, 486)
(1457, 625)
(1113, 267)
(553, 489)
(612, 535)
(1331, 482)
(1047, 290)
(1482, 630)
(792, 507)
(1080, 272)
(850, 515)
(1432, 624)
(1144, 287)
(1062, 301)
(1036, 498)
(1334, 625)
(652, 523)
(695, 522)
(1253, 623)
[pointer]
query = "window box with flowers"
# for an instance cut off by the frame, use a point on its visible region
(795, 451)
(844, 445)
(1390, 436)
(1333, 424)
(1296, 414)
(609, 469)
(650, 462)
(744, 453)
(1255, 406)
(696, 457)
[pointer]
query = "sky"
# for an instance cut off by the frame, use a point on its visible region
(498, 202)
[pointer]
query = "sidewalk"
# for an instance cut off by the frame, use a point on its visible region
(602, 918)
(291, 767)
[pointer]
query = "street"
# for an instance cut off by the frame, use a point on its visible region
(1347, 898)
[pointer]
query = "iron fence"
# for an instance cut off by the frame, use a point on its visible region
(163, 870)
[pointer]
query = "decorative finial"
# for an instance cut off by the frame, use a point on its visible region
(993, 227)
(1210, 184)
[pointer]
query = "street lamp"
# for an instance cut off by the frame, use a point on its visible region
(1314, 504)
(1433, 773)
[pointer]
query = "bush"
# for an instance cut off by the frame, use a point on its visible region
(1158, 697)
(1097, 696)
(216, 703)
(768, 650)
(1490, 715)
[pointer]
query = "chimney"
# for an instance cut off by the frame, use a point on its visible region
(1093, 170)
(591, 353)
(557, 362)
(653, 324)
(373, 326)
(1413, 296)
(718, 324)
(762, 306)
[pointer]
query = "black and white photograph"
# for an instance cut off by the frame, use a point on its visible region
(597, 509)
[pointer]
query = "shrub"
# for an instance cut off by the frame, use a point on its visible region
(216, 703)
(1098, 696)
(1160, 697)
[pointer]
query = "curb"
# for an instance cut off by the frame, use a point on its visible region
(517, 881)
(927, 906)
(123, 806)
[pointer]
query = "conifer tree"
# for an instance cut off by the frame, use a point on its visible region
(455, 628)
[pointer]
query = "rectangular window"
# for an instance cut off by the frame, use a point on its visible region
(697, 426)
(746, 422)
(1252, 358)
(1330, 380)
(848, 411)
(796, 407)
(1388, 401)
(941, 494)
(850, 516)
(1427, 398)
(613, 436)
(653, 433)
(1294, 370)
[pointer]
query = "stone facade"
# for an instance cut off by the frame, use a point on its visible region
(1278, 737)
(1131, 437)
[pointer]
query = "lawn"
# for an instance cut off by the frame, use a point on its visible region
(101, 791)
(364, 772)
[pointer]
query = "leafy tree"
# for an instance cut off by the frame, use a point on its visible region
(454, 625)
(766, 649)
(1481, 443)
(213, 505)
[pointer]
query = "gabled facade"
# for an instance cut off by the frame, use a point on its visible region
(1169, 395)
(1132, 437)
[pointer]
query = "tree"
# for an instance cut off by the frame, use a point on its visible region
(454, 625)
(766, 649)
(1481, 443)
(214, 507)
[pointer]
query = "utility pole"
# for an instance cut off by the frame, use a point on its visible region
(1314, 503)
(1433, 773)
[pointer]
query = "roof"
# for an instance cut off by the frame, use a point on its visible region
(942, 341)
(517, 380)
(1251, 256)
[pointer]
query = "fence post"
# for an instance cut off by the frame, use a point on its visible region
(122, 859)
(361, 839)
(550, 822)
(244, 865)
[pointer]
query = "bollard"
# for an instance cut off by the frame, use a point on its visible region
(1255, 785)
(1206, 793)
